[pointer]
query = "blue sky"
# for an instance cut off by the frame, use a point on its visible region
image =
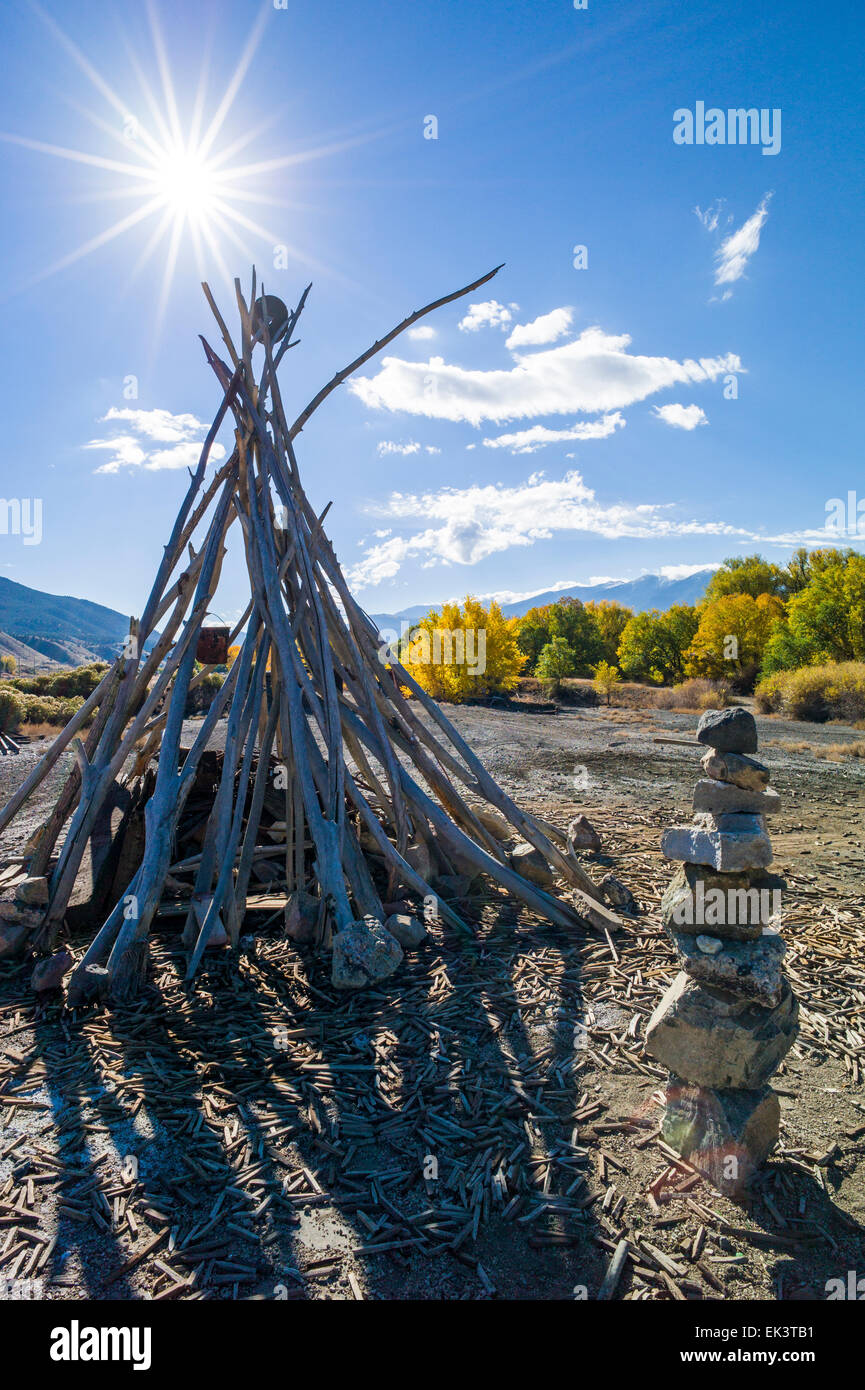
(576, 422)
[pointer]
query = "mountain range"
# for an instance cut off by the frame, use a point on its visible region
(43, 631)
(649, 591)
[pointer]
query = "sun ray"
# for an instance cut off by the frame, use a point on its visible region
(76, 156)
(94, 243)
(164, 73)
(235, 81)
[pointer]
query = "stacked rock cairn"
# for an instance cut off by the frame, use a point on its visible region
(729, 1018)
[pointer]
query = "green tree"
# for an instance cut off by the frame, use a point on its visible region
(568, 619)
(746, 574)
(557, 660)
(653, 644)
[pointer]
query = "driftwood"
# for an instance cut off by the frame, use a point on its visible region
(327, 737)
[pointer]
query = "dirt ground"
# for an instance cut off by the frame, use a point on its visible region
(483, 1126)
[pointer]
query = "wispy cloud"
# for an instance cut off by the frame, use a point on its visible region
(593, 374)
(736, 250)
(465, 525)
(387, 446)
(539, 436)
(489, 314)
(422, 333)
(546, 329)
(712, 215)
(183, 433)
(681, 417)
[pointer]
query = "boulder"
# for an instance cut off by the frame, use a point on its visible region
(405, 929)
(713, 1038)
(733, 906)
(615, 892)
(531, 864)
(19, 914)
(495, 824)
(728, 843)
(13, 939)
(728, 730)
(583, 835)
(725, 1134)
(751, 969)
(363, 954)
(49, 973)
(87, 985)
(33, 891)
(452, 886)
(721, 798)
(301, 916)
(736, 769)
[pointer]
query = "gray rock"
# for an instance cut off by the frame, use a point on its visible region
(13, 939)
(583, 835)
(728, 730)
(33, 891)
(19, 913)
(736, 769)
(709, 945)
(727, 1135)
(713, 1038)
(531, 864)
(363, 954)
(722, 798)
(733, 906)
(751, 969)
(87, 986)
(728, 843)
(301, 916)
(615, 891)
(49, 973)
(496, 825)
(405, 929)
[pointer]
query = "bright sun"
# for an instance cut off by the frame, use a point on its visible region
(186, 183)
(178, 174)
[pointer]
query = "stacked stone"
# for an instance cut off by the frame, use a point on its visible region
(729, 1018)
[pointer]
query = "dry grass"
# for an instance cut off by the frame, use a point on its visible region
(696, 695)
(829, 752)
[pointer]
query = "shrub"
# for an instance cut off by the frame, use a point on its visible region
(557, 659)
(11, 710)
(48, 709)
(696, 694)
(835, 690)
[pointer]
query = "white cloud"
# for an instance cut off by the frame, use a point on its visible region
(593, 374)
(736, 250)
(685, 571)
(422, 333)
(431, 449)
(538, 436)
(465, 525)
(711, 216)
(546, 329)
(681, 417)
(490, 314)
(160, 425)
(388, 447)
(182, 432)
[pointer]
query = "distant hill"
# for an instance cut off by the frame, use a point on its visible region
(59, 629)
(649, 591)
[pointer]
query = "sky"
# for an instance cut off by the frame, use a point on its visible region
(666, 371)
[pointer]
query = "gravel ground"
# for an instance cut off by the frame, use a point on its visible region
(482, 1127)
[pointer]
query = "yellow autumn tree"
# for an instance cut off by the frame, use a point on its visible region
(732, 634)
(464, 653)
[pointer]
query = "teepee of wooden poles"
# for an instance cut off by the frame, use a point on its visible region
(372, 769)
